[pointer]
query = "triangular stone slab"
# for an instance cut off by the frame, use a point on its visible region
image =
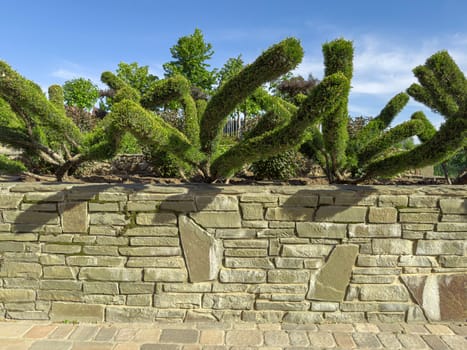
(201, 251)
(334, 277)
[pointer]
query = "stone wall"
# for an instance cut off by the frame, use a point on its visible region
(278, 253)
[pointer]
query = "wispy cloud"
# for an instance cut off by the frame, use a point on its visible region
(383, 67)
(68, 70)
(65, 74)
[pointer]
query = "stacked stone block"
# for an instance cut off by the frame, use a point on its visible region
(261, 253)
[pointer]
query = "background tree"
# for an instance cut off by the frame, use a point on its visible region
(189, 59)
(80, 96)
(81, 93)
(293, 87)
(138, 77)
(454, 166)
(245, 111)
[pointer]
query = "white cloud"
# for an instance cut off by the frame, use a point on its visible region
(69, 70)
(383, 68)
(310, 65)
(65, 74)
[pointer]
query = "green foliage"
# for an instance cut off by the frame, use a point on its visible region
(443, 87)
(318, 105)
(455, 166)
(232, 67)
(283, 166)
(164, 163)
(10, 167)
(81, 93)
(247, 109)
(190, 55)
(274, 62)
(137, 77)
(129, 145)
(338, 57)
(181, 130)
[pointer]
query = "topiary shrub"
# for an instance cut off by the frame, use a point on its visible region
(40, 126)
(371, 152)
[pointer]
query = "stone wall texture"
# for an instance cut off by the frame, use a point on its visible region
(142, 253)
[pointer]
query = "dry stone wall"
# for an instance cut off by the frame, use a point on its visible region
(94, 253)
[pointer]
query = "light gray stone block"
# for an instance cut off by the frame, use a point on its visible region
(110, 274)
(219, 202)
(384, 293)
(375, 230)
(76, 312)
(165, 275)
(290, 214)
(202, 252)
(341, 214)
(453, 205)
(216, 219)
(392, 246)
(321, 230)
(242, 276)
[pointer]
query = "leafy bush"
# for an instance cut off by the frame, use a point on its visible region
(283, 166)
(9, 166)
(81, 93)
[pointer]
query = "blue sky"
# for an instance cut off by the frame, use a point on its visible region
(51, 41)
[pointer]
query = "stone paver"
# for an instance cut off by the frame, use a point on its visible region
(244, 337)
(212, 337)
(435, 342)
(27, 335)
(39, 332)
(321, 340)
(160, 347)
(412, 341)
(83, 333)
(337, 327)
(148, 334)
(456, 342)
(367, 340)
(439, 329)
(51, 345)
(180, 336)
(106, 334)
(416, 329)
(14, 344)
(389, 341)
(128, 346)
(298, 338)
(125, 334)
(276, 338)
(62, 332)
(366, 328)
(92, 346)
(460, 329)
(390, 327)
(13, 330)
(344, 340)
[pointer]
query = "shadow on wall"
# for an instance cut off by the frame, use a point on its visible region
(322, 215)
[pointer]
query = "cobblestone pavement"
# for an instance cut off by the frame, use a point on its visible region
(28, 335)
